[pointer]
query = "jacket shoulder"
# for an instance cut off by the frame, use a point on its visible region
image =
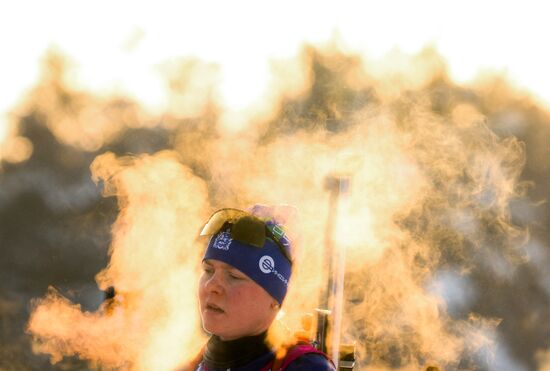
(311, 361)
(304, 356)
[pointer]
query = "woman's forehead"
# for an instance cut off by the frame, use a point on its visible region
(219, 264)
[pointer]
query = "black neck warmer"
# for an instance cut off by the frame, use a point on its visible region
(234, 353)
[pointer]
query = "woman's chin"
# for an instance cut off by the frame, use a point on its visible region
(213, 327)
(213, 319)
(219, 330)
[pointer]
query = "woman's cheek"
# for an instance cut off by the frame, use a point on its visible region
(240, 296)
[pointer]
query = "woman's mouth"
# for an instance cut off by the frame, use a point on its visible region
(214, 308)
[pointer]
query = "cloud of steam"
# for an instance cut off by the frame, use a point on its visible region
(430, 188)
(544, 360)
(153, 321)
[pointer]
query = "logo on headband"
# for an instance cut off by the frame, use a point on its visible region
(267, 264)
(222, 241)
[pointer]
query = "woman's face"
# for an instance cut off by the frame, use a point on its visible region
(231, 304)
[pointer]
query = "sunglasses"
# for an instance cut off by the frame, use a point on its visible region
(247, 228)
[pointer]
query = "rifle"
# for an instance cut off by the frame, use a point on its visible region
(329, 315)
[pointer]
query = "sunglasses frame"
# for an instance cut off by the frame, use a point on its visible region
(245, 228)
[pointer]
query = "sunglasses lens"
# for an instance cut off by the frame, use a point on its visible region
(250, 230)
(246, 228)
(219, 218)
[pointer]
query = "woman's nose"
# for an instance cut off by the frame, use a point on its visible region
(215, 283)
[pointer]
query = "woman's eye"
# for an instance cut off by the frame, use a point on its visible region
(207, 270)
(235, 277)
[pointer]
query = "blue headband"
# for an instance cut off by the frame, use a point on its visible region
(266, 266)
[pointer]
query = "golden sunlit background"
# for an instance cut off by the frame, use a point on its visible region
(123, 125)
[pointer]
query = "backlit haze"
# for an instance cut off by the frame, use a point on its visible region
(120, 47)
(124, 125)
